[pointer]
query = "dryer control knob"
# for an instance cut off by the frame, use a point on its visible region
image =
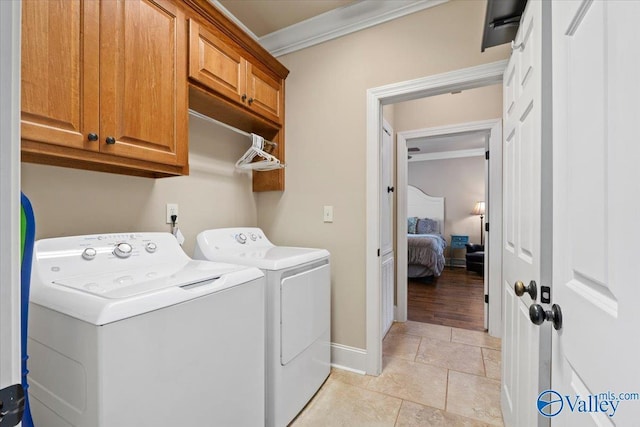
(241, 238)
(123, 250)
(151, 247)
(89, 254)
(253, 236)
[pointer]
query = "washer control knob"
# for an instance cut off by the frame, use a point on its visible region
(241, 238)
(151, 247)
(89, 254)
(253, 237)
(123, 250)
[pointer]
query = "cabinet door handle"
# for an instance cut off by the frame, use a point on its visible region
(110, 140)
(250, 101)
(92, 137)
(244, 97)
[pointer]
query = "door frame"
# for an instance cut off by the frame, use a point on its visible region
(10, 366)
(493, 176)
(463, 79)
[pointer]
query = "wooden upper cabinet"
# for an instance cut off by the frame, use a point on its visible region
(60, 72)
(214, 64)
(143, 81)
(219, 66)
(104, 85)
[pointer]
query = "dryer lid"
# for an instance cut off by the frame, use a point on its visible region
(267, 258)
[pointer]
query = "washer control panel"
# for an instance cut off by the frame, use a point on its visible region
(92, 253)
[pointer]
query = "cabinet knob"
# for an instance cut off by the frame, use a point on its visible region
(110, 140)
(244, 97)
(92, 137)
(250, 101)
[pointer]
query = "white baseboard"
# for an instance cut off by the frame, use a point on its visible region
(349, 358)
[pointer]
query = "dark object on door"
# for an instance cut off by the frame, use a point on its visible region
(501, 22)
(475, 258)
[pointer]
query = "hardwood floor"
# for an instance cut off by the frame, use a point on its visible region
(456, 298)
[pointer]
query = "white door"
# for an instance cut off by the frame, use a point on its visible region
(387, 191)
(9, 193)
(596, 57)
(524, 367)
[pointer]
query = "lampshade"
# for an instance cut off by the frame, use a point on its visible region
(478, 209)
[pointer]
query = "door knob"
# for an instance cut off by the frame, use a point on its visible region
(531, 289)
(110, 140)
(250, 101)
(92, 137)
(538, 315)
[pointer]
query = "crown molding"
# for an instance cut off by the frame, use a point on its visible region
(339, 22)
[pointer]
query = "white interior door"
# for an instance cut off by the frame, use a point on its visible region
(387, 265)
(595, 214)
(9, 193)
(522, 232)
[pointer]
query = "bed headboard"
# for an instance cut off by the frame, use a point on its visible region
(423, 205)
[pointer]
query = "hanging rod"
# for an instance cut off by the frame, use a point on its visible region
(217, 122)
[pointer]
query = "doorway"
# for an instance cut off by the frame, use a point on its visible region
(453, 162)
(464, 79)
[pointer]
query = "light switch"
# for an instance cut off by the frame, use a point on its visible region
(328, 214)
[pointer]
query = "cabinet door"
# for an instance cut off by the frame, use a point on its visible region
(215, 64)
(60, 63)
(266, 95)
(143, 82)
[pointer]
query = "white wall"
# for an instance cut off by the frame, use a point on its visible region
(326, 134)
(72, 201)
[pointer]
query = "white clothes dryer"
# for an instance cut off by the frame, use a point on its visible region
(126, 330)
(298, 313)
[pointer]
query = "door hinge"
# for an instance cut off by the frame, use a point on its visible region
(486, 155)
(486, 227)
(12, 403)
(378, 252)
(486, 299)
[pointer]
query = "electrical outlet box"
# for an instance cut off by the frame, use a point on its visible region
(172, 209)
(328, 214)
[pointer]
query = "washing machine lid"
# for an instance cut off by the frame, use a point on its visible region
(267, 258)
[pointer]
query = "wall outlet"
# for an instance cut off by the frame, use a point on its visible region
(172, 209)
(328, 214)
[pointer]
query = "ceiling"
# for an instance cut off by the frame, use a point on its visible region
(432, 146)
(263, 17)
(285, 26)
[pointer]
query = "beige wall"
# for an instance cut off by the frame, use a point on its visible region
(326, 120)
(482, 103)
(71, 202)
(461, 183)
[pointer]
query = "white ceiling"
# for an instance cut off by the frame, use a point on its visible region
(266, 16)
(442, 144)
(285, 26)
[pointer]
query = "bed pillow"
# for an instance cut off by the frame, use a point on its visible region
(427, 226)
(412, 222)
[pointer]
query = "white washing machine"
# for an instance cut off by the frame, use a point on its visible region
(126, 330)
(298, 313)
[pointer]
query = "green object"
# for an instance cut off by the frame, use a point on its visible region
(23, 232)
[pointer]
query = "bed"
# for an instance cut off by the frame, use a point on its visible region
(424, 239)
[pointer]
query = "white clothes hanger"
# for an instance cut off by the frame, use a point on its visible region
(269, 161)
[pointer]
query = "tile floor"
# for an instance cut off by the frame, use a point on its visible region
(432, 375)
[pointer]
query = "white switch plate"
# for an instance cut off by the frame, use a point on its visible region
(328, 214)
(172, 209)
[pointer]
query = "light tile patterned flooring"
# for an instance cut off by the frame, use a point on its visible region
(432, 375)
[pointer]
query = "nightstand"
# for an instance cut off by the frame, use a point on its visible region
(458, 241)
